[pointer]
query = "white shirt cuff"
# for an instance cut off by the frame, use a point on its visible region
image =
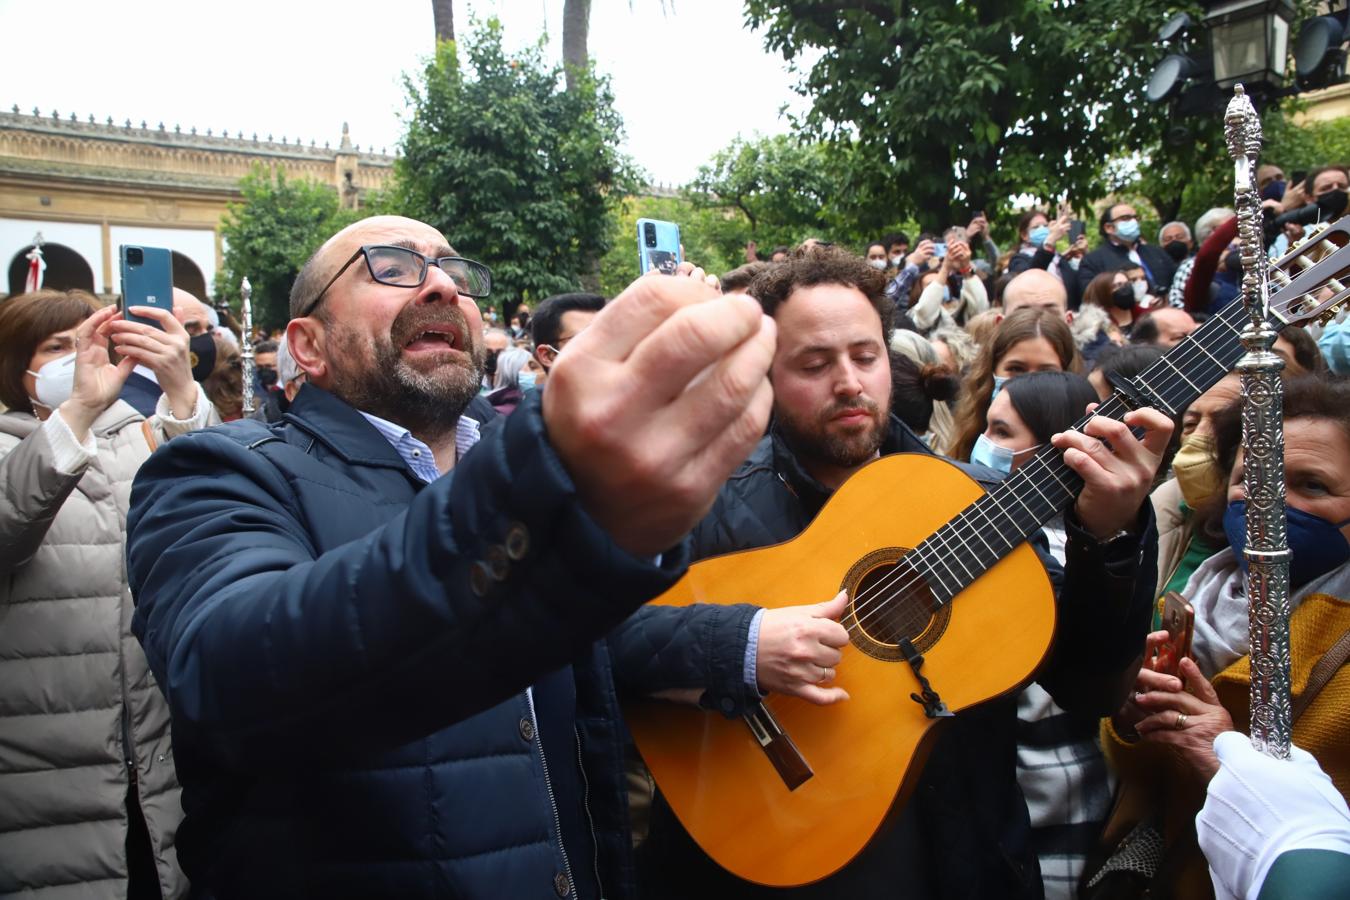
(197, 419)
(69, 456)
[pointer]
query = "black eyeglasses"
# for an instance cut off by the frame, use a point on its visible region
(1128, 217)
(402, 267)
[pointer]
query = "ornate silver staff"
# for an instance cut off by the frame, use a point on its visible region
(246, 344)
(1267, 551)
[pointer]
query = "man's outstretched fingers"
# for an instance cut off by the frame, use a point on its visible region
(630, 318)
(692, 339)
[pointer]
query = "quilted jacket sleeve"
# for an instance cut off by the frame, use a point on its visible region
(1105, 607)
(700, 646)
(32, 491)
(264, 646)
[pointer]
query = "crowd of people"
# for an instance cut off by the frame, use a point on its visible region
(290, 655)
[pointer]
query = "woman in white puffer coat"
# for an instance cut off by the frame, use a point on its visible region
(89, 801)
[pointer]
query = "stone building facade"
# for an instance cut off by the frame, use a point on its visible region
(88, 187)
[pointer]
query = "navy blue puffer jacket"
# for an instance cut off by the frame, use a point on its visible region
(345, 652)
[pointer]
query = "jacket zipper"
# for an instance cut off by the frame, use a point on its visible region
(548, 788)
(586, 805)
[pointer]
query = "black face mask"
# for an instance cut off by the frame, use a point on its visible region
(1332, 204)
(267, 377)
(1177, 250)
(490, 363)
(1123, 297)
(202, 355)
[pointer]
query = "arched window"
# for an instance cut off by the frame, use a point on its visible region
(66, 270)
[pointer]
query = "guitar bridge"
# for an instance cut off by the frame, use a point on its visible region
(932, 704)
(787, 760)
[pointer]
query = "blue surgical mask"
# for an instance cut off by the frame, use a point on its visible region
(1038, 235)
(1128, 230)
(987, 453)
(1316, 545)
(526, 381)
(999, 382)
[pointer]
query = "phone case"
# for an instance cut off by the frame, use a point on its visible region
(1178, 619)
(665, 255)
(148, 283)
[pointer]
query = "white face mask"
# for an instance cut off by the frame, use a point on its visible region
(55, 381)
(897, 259)
(877, 263)
(1140, 288)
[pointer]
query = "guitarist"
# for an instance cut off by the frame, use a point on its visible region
(965, 831)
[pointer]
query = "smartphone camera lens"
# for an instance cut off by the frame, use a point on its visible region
(135, 256)
(649, 234)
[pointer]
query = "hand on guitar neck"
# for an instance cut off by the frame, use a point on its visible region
(799, 648)
(1117, 478)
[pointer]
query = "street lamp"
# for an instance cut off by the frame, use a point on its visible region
(1249, 40)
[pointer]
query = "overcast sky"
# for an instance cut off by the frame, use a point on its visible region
(301, 68)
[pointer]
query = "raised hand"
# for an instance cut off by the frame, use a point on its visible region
(163, 351)
(97, 381)
(1116, 467)
(656, 404)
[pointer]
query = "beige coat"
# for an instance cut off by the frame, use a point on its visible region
(74, 685)
(1174, 530)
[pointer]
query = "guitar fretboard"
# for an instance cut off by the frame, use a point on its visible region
(1044, 486)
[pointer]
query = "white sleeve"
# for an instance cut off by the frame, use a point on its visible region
(69, 456)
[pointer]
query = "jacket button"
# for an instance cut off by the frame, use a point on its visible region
(527, 729)
(562, 885)
(517, 541)
(480, 579)
(498, 562)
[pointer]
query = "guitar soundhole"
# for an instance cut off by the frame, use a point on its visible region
(889, 601)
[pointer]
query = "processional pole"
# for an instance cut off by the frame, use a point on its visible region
(1267, 550)
(246, 344)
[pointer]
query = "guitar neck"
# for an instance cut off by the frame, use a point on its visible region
(1043, 487)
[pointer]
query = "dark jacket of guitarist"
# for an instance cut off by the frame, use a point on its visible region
(965, 832)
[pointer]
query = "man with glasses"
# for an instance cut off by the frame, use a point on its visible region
(388, 683)
(557, 321)
(1122, 248)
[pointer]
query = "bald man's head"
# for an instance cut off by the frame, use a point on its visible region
(194, 315)
(1038, 288)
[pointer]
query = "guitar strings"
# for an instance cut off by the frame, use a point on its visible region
(1168, 377)
(1046, 460)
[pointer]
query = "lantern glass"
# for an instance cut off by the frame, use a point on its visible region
(1251, 43)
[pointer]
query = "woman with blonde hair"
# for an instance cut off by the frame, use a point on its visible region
(1028, 340)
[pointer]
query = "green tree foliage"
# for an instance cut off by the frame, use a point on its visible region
(516, 171)
(943, 107)
(779, 191)
(779, 185)
(270, 235)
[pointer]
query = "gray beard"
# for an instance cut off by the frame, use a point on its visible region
(427, 404)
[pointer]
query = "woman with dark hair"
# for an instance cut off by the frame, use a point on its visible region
(1105, 315)
(1161, 741)
(1127, 361)
(1059, 766)
(90, 801)
(1029, 339)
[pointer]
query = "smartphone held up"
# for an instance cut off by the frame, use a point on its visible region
(147, 280)
(658, 246)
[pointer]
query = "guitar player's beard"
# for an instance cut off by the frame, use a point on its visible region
(839, 447)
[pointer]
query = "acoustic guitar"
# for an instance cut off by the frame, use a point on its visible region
(948, 607)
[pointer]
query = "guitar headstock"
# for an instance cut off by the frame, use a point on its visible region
(1311, 283)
